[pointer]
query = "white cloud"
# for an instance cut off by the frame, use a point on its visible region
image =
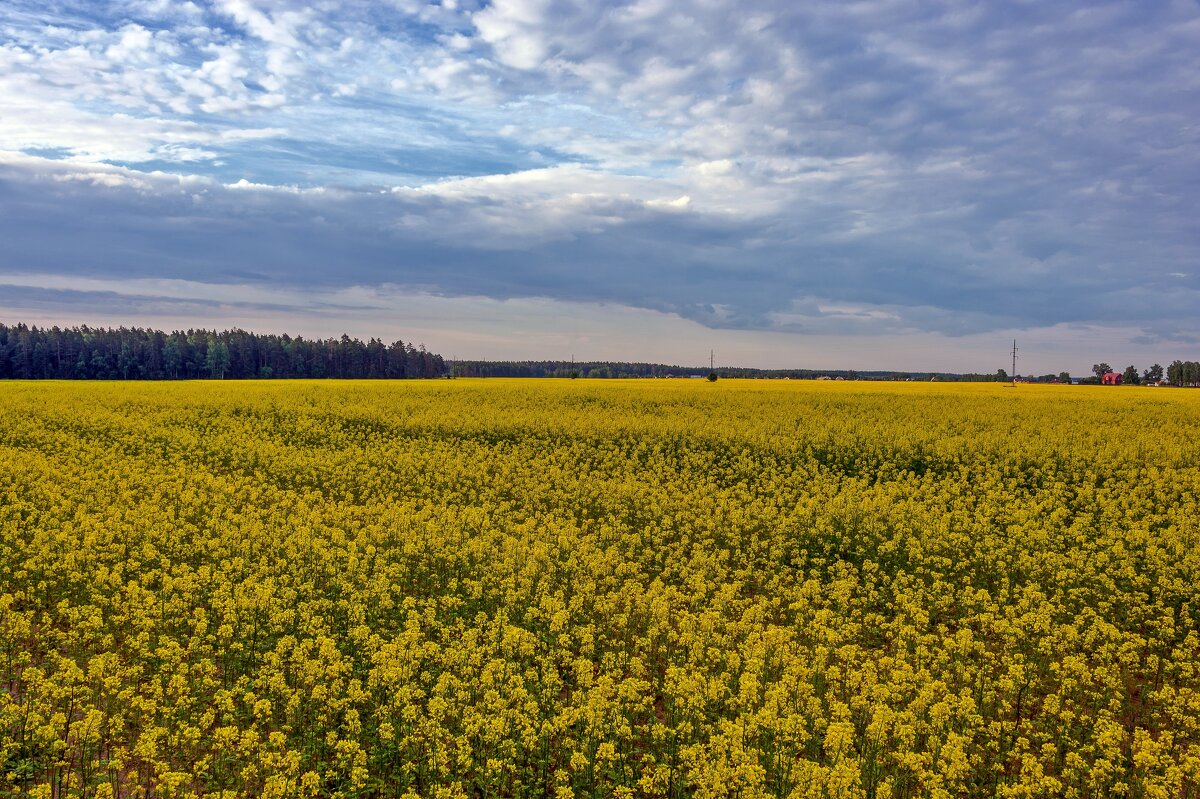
(516, 31)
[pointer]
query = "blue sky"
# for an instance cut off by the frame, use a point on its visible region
(875, 184)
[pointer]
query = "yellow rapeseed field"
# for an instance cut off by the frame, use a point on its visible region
(599, 589)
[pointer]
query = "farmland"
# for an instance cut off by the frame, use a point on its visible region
(591, 589)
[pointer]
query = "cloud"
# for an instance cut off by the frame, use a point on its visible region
(542, 328)
(536, 234)
(865, 168)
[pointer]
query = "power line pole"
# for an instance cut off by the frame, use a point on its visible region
(1014, 362)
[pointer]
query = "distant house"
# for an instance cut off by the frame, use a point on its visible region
(1111, 379)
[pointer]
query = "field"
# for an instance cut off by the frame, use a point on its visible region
(592, 589)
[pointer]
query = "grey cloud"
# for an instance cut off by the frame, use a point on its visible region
(948, 166)
(721, 270)
(77, 303)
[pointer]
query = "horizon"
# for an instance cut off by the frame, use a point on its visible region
(877, 185)
(681, 365)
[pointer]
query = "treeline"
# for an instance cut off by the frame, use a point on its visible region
(1179, 373)
(87, 353)
(1184, 373)
(616, 369)
(565, 369)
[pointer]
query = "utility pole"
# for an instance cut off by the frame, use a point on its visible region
(711, 360)
(1014, 363)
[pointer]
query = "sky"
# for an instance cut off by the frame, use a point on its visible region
(872, 184)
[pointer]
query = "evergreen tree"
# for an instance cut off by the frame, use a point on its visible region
(132, 353)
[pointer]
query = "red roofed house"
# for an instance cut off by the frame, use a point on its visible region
(1111, 379)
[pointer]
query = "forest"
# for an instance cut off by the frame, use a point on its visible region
(132, 353)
